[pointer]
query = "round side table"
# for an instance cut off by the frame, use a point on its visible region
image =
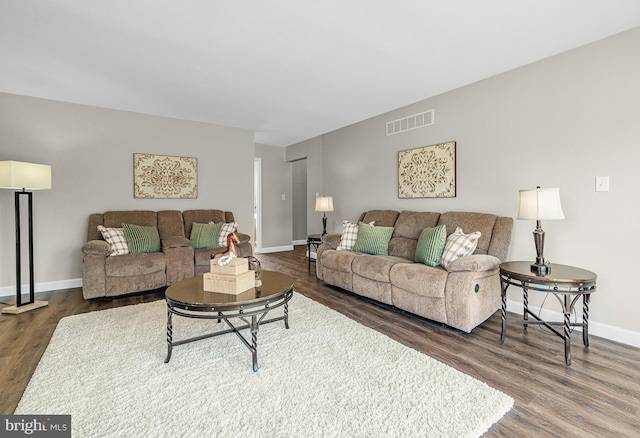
(567, 283)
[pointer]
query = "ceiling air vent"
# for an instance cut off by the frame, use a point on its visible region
(415, 121)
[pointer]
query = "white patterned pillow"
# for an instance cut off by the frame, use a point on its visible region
(115, 238)
(349, 235)
(226, 229)
(459, 245)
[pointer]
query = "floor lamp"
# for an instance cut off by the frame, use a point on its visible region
(16, 175)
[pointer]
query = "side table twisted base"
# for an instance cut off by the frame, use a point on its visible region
(566, 283)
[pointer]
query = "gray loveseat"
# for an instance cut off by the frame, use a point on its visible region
(104, 275)
(462, 296)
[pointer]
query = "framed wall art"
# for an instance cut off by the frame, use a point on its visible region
(428, 172)
(163, 176)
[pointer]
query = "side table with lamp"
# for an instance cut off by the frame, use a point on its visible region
(323, 204)
(566, 283)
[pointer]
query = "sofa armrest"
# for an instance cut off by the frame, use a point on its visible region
(244, 238)
(96, 247)
(332, 240)
(175, 242)
(474, 263)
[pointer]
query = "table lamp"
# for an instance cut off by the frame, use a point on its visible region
(324, 204)
(16, 175)
(540, 204)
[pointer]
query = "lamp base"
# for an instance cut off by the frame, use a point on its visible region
(14, 310)
(540, 269)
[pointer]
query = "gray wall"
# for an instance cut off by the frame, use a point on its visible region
(91, 153)
(277, 214)
(560, 123)
(299, 199)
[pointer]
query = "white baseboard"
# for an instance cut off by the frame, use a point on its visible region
(300, 242)
(10, 291)
(616, 334)
(275, 249)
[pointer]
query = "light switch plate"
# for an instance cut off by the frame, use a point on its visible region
(602, 183)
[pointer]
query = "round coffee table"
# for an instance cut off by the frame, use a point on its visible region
(187, 298)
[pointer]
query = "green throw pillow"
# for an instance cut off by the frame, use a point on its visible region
(205, 235)
(141, 239)
(373, 240)
(431, 245)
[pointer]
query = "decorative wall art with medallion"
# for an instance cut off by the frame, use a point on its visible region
(163, 176)
(428, 172)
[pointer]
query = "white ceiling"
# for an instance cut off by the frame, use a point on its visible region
(288, 70)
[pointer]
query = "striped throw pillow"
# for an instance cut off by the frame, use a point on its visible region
(373, 240)
(205, 235)
(459, 245)
(115, 238)
(431, 245)
(141, 239)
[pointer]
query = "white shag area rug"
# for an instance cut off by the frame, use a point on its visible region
(327, 376)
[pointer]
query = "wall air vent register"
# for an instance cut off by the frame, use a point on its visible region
(414, 121)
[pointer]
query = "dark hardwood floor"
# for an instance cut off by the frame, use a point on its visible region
(597, 396)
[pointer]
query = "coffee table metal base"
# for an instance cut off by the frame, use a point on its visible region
(252, 318)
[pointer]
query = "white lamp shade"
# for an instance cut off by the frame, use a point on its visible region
(540, 204)
(18, 175)
(324, 203)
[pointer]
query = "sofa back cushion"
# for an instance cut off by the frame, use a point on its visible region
(115, 219)
(411, 223)
(408, 227)
(382, 218)
(170, 224)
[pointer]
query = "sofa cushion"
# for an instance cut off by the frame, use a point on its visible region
(141, 239)
(375, 267)
(132, 265)
(373, 239)
(205, 235)
(226, 229)
(339, 260)
(431, 245)
(419, 279)
(116, 240)
(202, 257)
(459, 245)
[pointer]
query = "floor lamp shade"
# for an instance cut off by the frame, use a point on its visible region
(540, 204)
(16, 175)
(324, 204)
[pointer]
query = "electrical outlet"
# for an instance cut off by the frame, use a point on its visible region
(284, 197)
(602, 183)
